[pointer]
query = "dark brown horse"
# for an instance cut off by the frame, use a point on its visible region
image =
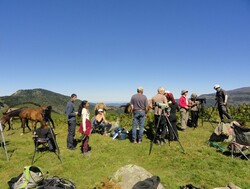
(128, 107)
(41, 114)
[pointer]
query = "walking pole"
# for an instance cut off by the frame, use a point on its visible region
(3, 142)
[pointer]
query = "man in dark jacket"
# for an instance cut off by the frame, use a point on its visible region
(221, 98)
(71, 119)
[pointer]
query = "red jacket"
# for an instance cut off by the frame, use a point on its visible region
(183, 102)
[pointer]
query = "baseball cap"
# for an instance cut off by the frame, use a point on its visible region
(216, 86)
(184, 91)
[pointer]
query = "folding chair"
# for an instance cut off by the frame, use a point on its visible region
(241, 140)
(45, 146)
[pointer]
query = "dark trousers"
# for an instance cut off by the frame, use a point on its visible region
(161, 127)
(194, 118)
(223, 111)
(85, 144)
(71, 133)
(173, 132)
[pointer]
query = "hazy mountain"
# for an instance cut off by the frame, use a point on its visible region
(58, 101)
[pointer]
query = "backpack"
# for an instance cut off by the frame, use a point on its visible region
(119, 133)
(57, 183)
(148, 183)
(31, 177)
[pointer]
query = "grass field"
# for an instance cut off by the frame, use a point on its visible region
(201, 165)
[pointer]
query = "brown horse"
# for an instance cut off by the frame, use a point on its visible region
(128, 107)
(101, 106)
(9, 115)
(41, 114)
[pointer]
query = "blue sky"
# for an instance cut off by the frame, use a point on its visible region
(102, 50)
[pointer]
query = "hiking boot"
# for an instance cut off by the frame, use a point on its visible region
(87, 153)
(140, 141)
(162, 141)
(157, 142)
(71, 148)
(134, 141)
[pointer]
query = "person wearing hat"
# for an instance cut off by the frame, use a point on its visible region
(100, 123)
(139, 105)
(221, 100)
(183, 103)
(194, 110)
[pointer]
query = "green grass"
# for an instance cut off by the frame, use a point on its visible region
(201, 165)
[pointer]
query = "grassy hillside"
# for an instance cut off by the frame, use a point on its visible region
(201, 165)
(38, 97)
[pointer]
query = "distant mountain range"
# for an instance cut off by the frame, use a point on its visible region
(40, 97)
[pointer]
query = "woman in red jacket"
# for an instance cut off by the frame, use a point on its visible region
(183, 103)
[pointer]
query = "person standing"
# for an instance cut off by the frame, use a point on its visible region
(71, 120)
(160, 115)
(183, 103)
(139, 105)
(85, 127)
(173, 132)
(194, 109)
(221, 99)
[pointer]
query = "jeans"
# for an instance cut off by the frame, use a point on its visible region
(71, 133)
(138, 119)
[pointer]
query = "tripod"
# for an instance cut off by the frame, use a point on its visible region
(211, 114)
(3, 142)
(170, 126)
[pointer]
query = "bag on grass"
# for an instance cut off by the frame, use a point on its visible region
(31, 177)
(57, 183)
(119, 133)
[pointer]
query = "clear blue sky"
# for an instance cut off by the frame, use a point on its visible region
(102, 50)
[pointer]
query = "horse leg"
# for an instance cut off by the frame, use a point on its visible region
(27, 124)
(34, 125)
(23, 125)
(9, 123)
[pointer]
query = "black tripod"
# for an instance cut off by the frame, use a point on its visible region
(3, 144)
(211, 114)
(170, 126)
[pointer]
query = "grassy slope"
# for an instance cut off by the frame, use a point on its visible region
(202, 165)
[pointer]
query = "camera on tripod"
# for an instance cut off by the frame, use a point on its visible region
(162, 105)
(201, 100)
